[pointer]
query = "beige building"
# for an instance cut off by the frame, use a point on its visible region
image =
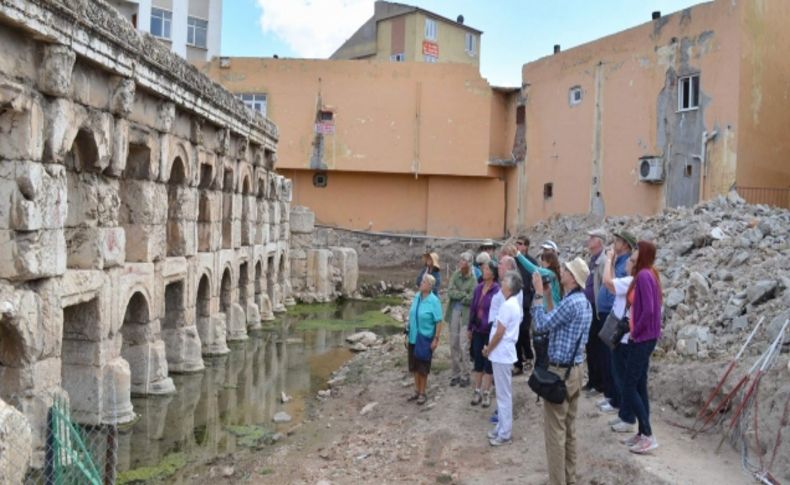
(404, 33)
(668, 113)
(191, 28)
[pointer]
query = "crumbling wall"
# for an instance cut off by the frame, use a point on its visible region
(141, 223)
(320, 271)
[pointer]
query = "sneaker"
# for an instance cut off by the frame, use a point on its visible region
(614, 421)
(476, 398)
(592, 392)
(413, 397)
(492, 434)
(623, 427)
(498, 441)
(601, 402)
(421, 400)
(646, 444)
(527, 365)
(629, 442)
(454, 381)
(463, 382)
(608, 409)
(486, 399)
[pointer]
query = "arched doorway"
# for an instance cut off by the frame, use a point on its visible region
(144, 350)
(246, 201)
(227, 209)
(176, 185)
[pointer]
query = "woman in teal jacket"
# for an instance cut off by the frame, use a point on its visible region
(425, 316)
(547, 274)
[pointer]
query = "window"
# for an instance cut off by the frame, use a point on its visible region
(548, 191)
(254, 101)
(399, 57)
(325, 115)
(197, 32)
(160, 22)
(688, 93)
(430, 29)
(471, 40)
(521, 115)
(575, 95)
(430, 59)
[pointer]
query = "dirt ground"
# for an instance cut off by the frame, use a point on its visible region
(444, 440)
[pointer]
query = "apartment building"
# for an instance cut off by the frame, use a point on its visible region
(405, 33)
(192, 28)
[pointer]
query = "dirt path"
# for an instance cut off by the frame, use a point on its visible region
(444, 441)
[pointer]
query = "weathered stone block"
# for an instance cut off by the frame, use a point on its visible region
(143, 202)
(148, 365)
(54, 76)
(32, 255)
(236, 323)
(145, 243)
(120, 148)
(213, 334)
(116, 406)
(21, 123)
(122, 100)
(302, 220)
(253, 316)
(95, 247)
(136, 334)
(183, 348)
(63, 120)
(181, 238)
(345, 260)
(16, 444)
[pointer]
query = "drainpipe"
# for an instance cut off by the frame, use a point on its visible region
(703, 158)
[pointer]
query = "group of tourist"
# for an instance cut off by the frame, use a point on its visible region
(509, 312)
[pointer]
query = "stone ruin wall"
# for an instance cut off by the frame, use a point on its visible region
(142, 225)
(320, 271)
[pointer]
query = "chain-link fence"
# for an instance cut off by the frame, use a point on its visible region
(57, 450)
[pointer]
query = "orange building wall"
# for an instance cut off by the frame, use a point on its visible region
(435, 205)
(389, 117)
(619, 118)
(765, 96)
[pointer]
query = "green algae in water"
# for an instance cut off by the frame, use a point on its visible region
(369, 319)
(251, 436)
(166, 468)
(302, 309)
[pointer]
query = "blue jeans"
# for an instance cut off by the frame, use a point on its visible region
(619, 357)
(635, 383)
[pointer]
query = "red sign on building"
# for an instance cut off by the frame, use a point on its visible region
(430, 48)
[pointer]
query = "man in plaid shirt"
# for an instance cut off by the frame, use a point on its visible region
(568, 326)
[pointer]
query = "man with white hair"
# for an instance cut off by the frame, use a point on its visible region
(459, 297)
(595, 353)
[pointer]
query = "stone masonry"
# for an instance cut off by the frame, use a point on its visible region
(142, 224)
(319, 271)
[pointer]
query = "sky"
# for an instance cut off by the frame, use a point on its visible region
(514, 31)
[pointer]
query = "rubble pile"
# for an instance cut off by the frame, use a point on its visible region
(721, 265)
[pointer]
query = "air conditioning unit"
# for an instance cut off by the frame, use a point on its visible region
(651, 170)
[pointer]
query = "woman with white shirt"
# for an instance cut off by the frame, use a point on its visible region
(501, 351)
(625, 420)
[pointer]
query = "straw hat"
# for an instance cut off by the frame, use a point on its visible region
(579, 270)
(435, 260)
(487, 243)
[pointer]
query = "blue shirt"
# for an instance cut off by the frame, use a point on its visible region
(424, 315)
(605, 300)
(565, 324)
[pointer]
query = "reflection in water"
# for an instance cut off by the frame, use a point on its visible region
(238, 389)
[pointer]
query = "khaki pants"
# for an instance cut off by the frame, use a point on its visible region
(559, 429)
(459, 347)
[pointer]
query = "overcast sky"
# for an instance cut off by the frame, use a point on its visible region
(514, 31)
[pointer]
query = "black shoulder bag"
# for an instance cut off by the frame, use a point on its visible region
(614, 328)
(549, 385)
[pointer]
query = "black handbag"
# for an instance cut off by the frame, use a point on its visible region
(614, 328)
(550, 386)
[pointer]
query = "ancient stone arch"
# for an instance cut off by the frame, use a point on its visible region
(179, 330)
(227, 207)
(143, 348)
(178, 198)
(210, 326)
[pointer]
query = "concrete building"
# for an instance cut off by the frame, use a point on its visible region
(190, 28)
(392, 147)
(404, 33)
(668, 113)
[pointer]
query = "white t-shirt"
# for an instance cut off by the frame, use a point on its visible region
(510, 314)
(497, 301)
(618, 308)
